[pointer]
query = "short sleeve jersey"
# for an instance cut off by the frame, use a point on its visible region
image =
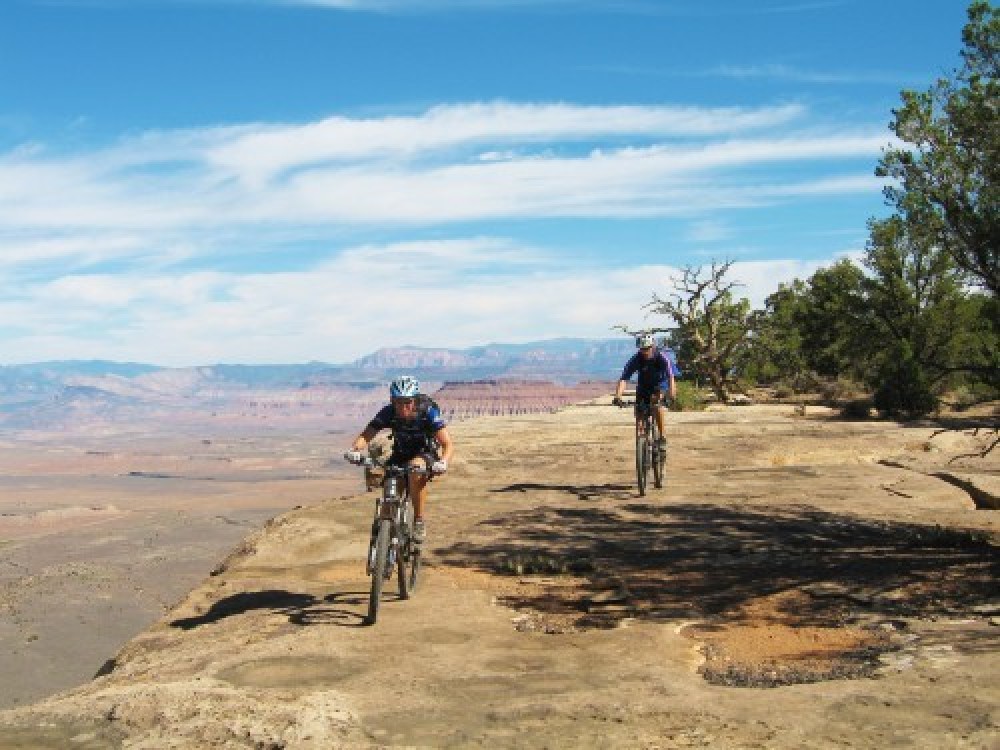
(652, 372)
(409, 436)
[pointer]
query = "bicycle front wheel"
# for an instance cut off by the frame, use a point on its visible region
(640, 462)
(378, 569)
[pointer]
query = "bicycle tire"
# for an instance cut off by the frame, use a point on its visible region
(647, 464)
(413, 564)
(405, 552)
(378, 569)
(656, 457)
(640, 463)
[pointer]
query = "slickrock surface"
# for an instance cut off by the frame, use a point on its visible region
(800, 582)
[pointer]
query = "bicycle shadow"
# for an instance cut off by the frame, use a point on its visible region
(301, 609)
(275, 600)
(346, 608)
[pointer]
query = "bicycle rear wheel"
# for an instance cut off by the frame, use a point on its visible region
(378, 569)
(408, 558)
(656, 458)
(412, 567)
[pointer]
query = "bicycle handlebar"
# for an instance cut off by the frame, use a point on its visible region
(370, 463)
(623, 404)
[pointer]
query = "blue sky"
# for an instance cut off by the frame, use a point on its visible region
(197, 181)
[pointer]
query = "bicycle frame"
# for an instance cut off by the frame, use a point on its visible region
(391, 547)
(645, 421)
(647, 456)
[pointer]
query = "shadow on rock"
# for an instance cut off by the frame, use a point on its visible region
(580, 491)
(340, 609)
(707, 561)
(245, 601)
(346, 608)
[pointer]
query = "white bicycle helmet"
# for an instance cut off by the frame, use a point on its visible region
(404, 386)
(644, 340)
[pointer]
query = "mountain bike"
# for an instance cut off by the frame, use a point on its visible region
(392, 546)
(647, 455)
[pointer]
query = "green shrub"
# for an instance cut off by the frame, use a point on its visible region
(842, 390)
(689, 398)
(856, 408)
(901, 386)
(966, 396)
(783, 391)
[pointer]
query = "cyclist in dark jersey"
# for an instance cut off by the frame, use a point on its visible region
(655, 375)
(419, 438)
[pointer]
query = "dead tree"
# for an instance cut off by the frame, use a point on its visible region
(711, 328)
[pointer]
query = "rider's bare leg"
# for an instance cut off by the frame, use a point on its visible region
(656, 400)
(418, 488)
(661, 413)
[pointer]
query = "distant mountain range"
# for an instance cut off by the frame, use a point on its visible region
(558, 360)
(60, 393)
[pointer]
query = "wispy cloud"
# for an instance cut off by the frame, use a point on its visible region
(451, 164)
(708, 231)
(790, 73)
(642, 7)
(272, 149)
(228, 243)
(392, 294)
(645, 7)
(770, 72)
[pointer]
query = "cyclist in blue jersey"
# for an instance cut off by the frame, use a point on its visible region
(419, 438)
(655, 375)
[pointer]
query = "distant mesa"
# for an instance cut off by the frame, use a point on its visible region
(497, 379)
(496, 397)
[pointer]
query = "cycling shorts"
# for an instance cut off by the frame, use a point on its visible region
(650, 394)
(402, 459)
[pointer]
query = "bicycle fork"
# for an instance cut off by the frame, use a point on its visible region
(390, 508)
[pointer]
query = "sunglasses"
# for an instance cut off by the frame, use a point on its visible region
(404, 401)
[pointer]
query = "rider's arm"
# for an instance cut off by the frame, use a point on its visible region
(630, 369)
(361, 441)
(621, 388)
(381, 421)
(444, 440)
(668, 372)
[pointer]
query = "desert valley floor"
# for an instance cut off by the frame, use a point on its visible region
(801, 581)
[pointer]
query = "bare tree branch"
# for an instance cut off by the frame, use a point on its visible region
(706, 318)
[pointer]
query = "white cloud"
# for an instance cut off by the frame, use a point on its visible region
(426, 294)
(155, 248)
(708, 231)
(257, 156)
(419, 170)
